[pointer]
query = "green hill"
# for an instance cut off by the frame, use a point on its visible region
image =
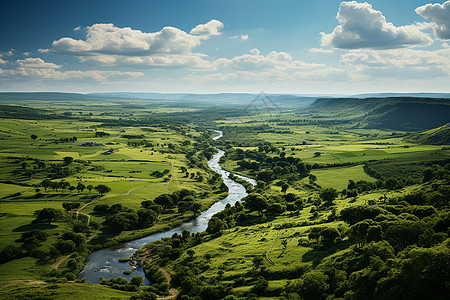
(398, 113)
(436, 136)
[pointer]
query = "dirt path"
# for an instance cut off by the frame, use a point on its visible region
(58, 263)
(270, 248)
(127, 193)
(173, 291)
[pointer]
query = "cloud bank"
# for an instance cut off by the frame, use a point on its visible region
(107, 44)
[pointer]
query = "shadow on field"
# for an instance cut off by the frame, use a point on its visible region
(30, 227)
(317, 255)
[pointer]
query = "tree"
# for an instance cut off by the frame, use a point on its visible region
(256, 202)
(164, 200)
(284, 188)
(68, 160)
(80, 187)
(328, 195)
(260, 286)
(314, 285)
(102, 189)
(358, 232)
(314, 233)
(312, 178)
(47, 214)
(46, 183)
(137, 280)
(257, 261)
(33, 136)
(90, 187)
(70, 205)
(328, 236)
(196, 208)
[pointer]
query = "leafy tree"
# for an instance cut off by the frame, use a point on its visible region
(358, 232)
(164, 200)
(257, 261)
(314, 285)
(328, 236)
(102, 189)
(137, 280)
(33, 136)
(80, 187)
(255, 202)
(260, 286)
(70, 205)
(68, 160)
(90, 187)
(328, 195)
(47, 214)
(46, 183)
(284, 188)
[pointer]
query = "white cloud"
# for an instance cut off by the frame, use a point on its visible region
(36, 63)
(77, 28)
(213, 27)
(27, 53)
(256, 68)
(243, 37)
(8, 53)
(364, 27)
(155, 61)
(439, 14)
(3, 62)
(274, 61)
(402, 63)
(445, 45)
(37, 68)
(107, 44)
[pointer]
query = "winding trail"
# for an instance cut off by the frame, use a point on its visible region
(58, 263)
(270, 248)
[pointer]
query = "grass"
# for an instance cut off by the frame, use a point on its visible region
(338, 177)
(81, 291)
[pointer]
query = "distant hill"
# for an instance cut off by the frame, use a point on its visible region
(416, 95)
(22, 112)
(398, 113)
(44, 96)
(241, 99)
(436, 136)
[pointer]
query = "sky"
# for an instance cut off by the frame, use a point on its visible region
(215, 46)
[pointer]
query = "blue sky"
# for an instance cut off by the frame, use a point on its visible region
(211, 46)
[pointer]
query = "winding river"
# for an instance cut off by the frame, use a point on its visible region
(104, 263)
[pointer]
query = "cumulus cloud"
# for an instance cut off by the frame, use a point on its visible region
(364, 27)
(213, 27)
(2, 62)
(439, 14)
(37, 68)
(255, 60)
(108, 44)
(36, 63)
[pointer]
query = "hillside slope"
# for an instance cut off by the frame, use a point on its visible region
(436, 136)
(396, 113)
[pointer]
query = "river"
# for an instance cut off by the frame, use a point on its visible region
(104, 263)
